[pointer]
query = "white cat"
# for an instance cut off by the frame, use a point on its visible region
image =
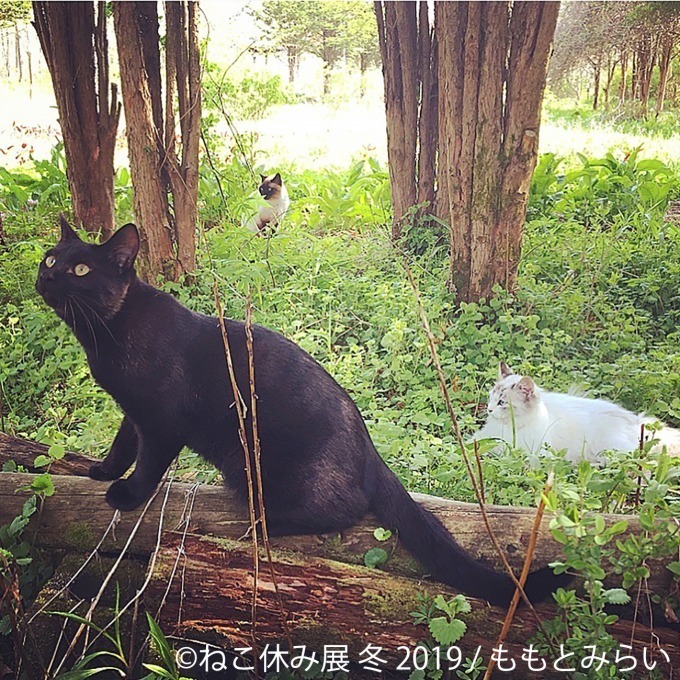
(274, 192)
(523, 415)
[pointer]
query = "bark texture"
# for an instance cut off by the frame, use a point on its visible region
(409, 61)
(75, 46)
(463, 103)
(207, 596)
(202, 572)
(214, 511)
(163, 132)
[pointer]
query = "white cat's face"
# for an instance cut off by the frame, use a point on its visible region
(513, 396)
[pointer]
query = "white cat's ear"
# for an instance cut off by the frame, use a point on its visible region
(123, 246)
(503, 370)
(67, 231)
(526, 387)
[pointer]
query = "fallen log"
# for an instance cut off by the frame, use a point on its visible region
(206, 587)
(24, 452)
(211, 600)
(76, 517)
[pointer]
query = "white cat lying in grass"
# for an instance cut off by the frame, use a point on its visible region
(525, 416)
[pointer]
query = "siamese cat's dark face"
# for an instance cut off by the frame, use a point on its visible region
(271, 186)
(81, 279)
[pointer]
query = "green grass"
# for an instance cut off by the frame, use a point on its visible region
(597, 306)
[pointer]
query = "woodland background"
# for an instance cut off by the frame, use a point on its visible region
(595, 304)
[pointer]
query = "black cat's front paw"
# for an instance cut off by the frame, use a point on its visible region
(99, 472)
(121, 496)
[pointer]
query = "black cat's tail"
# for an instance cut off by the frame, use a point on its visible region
(429, 540)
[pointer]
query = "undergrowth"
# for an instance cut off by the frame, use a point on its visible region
(597, 307)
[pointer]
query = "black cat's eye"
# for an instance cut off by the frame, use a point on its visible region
(50, 261)
(81, 270)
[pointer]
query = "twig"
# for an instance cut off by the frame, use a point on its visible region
(525, 571)
(90, 557)
(461, 443)
(108, 578)
(243, 436)
(258, 473)
(641, 447)
(480, 474)
(150, 568)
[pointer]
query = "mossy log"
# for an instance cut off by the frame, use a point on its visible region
(77, 515)
(24, 452)
(206, 585)
(328, 598)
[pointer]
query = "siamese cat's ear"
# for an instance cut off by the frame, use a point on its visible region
(123, 246)
(67, 231)
(526, 387)
(276, 179)
(503, 370)
(263, 177)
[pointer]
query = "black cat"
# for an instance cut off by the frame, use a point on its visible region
(166, 368)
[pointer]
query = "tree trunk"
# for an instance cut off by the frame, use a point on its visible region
(665, 59)
(168, 231)
(215, 511)
(455, 141)
(597, 70)
(409, 57)
(611, 68)
(622, 85)
(489, 141)
(326, 600)
(292, 58)
(76, 52)
(646, 59)
(183, 70)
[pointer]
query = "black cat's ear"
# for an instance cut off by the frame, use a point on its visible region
(503, 370)
(67, 231)
(123, 246)
(277, 179)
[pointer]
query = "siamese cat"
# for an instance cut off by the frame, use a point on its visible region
(165, 367)
(274, 192)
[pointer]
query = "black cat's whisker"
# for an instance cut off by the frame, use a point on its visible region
(99, 318)
(89, 325)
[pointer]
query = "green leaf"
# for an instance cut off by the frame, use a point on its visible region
(42, 484)
(674, 568)
(599, 524)
(42, 461)
(159, 670)
(616, 596)
(375, 557)
(446, 632)
(56, 451)
(381, 534)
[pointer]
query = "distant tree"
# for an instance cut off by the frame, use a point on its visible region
(283, 28)
(592, 35)
(463, 102)
(75, 46)
(14, 12)
(363, 38)
(638, 37)
(656, 30)
(163, 116)
(329, 30)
